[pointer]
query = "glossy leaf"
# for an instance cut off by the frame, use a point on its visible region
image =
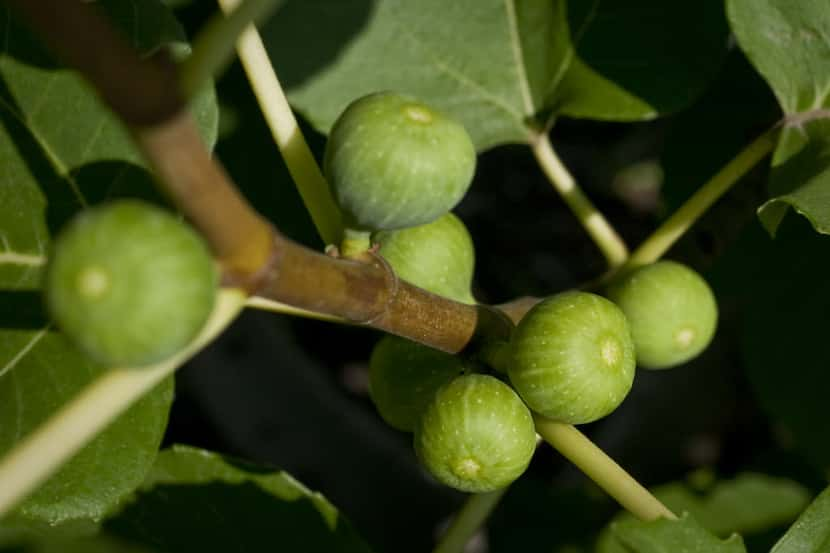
(500, 66)
(802, 182)
(811, 532)
(671, 536)
(638, 60)
(748, 504)
(61, 150)
(41, 371)
(789, 45)
(198, 501)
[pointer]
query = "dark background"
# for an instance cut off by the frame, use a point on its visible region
(292, 393)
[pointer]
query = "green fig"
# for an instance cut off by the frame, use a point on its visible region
(404, 376)
(572, 357)
(129, 283)
(393, 162)
(671, 310)
(476, 435)
(438, 256)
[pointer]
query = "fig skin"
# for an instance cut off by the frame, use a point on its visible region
(393, 162)
(476, 435)
(438, 256)
(572, 357)
(672, 312)
(129, 283)
(404, 376)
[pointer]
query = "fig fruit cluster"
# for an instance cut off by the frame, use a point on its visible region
(396, 167)
(572, 358)
(131, 284)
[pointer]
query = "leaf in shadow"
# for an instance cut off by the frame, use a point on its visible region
(195, 500)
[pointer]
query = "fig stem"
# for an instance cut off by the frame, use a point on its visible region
(214, 46)
(468, 520)
(355, 243)
(46, 449)
(302, 166)
(593, 221)
(496, 354)
(675, 226)
(602, 469)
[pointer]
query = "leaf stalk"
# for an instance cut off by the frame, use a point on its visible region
(593, 221)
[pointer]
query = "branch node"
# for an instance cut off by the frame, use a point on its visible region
(393, 284)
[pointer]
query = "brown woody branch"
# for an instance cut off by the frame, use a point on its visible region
(145, 94)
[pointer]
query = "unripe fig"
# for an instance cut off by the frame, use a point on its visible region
(572, 357)
(437, 256)
(129, 283)
(393, 162)
(476, 435)
(671, 310)
(404, 376)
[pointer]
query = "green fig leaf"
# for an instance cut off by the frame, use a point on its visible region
(811, 532)
(789, 45)
(40, 372)
(802, 182)
(671, 536)
(748, 504)
(506, 70)
(197, 501)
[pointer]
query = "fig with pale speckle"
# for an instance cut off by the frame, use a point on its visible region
(129, 283)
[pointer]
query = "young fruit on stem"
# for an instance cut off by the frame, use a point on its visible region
(393, 162)
(437, 256)
(572, 357)
(671, 310)
(476, 435)
(129, 283)
(404, 376)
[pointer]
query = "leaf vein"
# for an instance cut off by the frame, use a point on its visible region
(461, 77)
(24, 351)
(518, 56)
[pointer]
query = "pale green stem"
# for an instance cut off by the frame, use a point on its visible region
(44, 451)
(266, 304)
(673, 228)
(600, 468)
(214, 46)
(355, 243)
(594, 222)
(468, 520)
(307, 176)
